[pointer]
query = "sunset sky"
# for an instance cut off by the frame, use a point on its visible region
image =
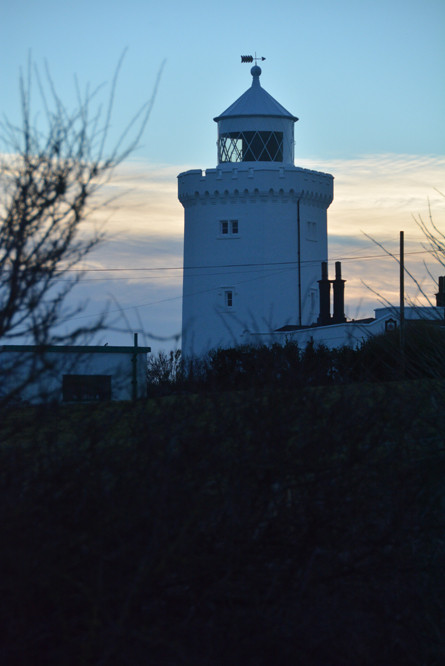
(365, 79)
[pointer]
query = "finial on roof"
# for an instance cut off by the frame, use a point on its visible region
(255, 71)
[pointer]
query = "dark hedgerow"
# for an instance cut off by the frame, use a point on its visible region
(270, 505)
(241, 527)
(250, 366)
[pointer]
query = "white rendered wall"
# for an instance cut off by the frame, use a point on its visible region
(351, 333)
(260, 263)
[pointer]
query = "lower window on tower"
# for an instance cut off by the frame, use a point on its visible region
(228, 298)
(313, 304)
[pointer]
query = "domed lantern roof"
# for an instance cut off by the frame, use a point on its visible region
(256, 128)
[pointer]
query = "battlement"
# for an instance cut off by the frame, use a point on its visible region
(255, 183)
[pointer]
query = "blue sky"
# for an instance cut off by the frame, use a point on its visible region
(364, 77)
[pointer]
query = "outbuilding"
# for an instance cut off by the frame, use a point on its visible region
(74, 373)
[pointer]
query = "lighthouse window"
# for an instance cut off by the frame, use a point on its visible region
(228, 298)
(313, 302)
(251, 147)
(228, 228)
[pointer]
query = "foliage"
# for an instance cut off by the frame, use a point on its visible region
(424, 353)
(283, 526)
(50, 169)
(286, 366)
(48, 176)
(434, 237)
(164, 371)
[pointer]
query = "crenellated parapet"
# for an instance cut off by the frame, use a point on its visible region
(255, 184)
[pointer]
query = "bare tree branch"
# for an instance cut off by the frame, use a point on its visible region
(50, 169)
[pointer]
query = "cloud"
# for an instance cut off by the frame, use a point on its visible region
(381, 195)
(377, 195)
(140, 200)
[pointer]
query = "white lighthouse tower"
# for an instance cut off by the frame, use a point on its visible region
(255, 230)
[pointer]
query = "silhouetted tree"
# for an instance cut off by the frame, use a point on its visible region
(51, 166)
(49, 170)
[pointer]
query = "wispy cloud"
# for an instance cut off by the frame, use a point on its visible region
(381, 193)
(377, 195)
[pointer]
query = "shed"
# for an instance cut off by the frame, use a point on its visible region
(75, 373)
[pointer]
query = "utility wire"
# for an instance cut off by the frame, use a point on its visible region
(246, 265)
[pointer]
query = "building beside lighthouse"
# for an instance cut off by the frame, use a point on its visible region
(255, 231)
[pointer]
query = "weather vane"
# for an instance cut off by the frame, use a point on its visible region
(249, 58)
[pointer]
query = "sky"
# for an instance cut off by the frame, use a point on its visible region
(365, 78)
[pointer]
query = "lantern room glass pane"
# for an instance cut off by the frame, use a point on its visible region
(230, 148)
(251, 147)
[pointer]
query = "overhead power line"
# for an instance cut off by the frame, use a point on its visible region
(245, 265)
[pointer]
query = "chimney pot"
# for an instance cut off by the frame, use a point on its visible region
(338, 316)
(324, 286)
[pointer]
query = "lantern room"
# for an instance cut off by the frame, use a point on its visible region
(255, 128)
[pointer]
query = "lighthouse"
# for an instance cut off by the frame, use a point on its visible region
(255, 230)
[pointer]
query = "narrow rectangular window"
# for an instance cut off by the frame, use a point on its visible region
(313, 302)
(228, 297)
(234, 226)
(224, 227)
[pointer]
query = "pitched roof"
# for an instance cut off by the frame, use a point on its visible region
(256, 102)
